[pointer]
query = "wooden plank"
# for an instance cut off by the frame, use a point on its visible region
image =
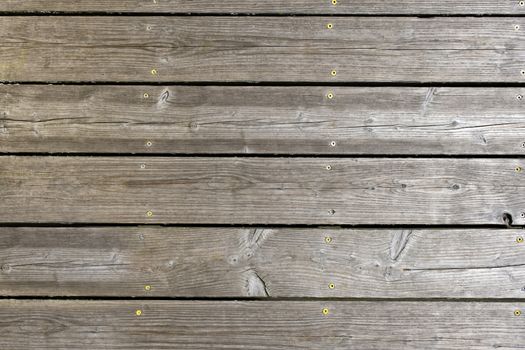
(51, 324)
(271, 6)
(260, 190)
(277, 49)
(261, 262)
(261, 120)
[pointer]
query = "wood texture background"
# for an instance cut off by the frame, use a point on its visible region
(262, 120)
(256, 324)
(401, 215)
(262, 262)
(261, 190)
(269, 49)
(508, 7)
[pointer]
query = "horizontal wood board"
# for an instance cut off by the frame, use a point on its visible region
(264, 49)
(261, 262)
(507, 7)
(259, 325)
(262, 120)
(406, 191)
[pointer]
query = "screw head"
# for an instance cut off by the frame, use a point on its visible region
(328, 239)
(517, 312)
(521, 3)
(146, 95)
(518, 169)
(334, 73)
(331, 286)
(149, 143)
(519, 239)
(143, 166)
(154, 72)
(329, 26)
(331, 212)
(517, 27)
(334, 2)
(325, 311)
(149, 213)
(330, 95)
(147, 288)
(138, 312)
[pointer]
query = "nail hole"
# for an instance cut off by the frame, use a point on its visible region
(149, 143)
(331, 212)
(329, 26)
(328, 167)
(146, 95)
(522, 3)
(328, 239)
(519, 239)
(326, 311)
(154, 72)
(143, 166)
(334, 2)
(523, 72)
(147, 288)
(138, 312)
(149, 213)
(330, 95)
(333, 143)
(522, 215)
(331, 286)
(519, 97)
(517, 312)
(516, 27)
(334, 73)
(518, 169)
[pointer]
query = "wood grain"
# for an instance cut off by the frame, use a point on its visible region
(270, 6)
(260, 190)
(258, 325)
(262, 120)
(270, 49)
(261, 262)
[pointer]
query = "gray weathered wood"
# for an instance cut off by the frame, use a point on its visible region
(94, 325)
(262, 120)
(260, 190)
(261, 262)
(238, 49)
(271, 6)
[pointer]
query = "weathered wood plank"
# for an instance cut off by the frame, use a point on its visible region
(239, 49)
(261, 120)
(260, 190)
(261, 262)
(258, 325)
(271, 6)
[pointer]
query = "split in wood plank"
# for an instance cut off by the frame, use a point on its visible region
(261, 120)
(60, 325)
(357, 7)
(208, 190)
(271, 49)
(261, 262)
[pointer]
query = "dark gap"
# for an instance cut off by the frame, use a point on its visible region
(260, 225)
(255, 299)
(264, 155)
(239, 14)
(275, 84)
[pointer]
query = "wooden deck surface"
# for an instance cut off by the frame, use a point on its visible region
(231, 174)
